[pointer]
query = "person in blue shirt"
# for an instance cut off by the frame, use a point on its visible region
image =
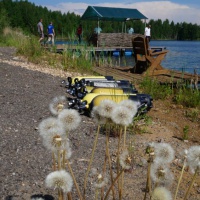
(51, 33)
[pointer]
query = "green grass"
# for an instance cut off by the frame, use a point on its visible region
(185, 132)
(155, 89)
(187, 97)
(181, 94)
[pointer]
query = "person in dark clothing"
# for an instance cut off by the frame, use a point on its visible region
(79, 33)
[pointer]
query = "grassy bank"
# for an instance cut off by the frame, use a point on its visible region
(28, 46)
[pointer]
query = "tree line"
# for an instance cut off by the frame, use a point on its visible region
(25, 15)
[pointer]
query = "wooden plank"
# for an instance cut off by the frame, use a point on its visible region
(158, 72)
(118, 74)
(156, 62)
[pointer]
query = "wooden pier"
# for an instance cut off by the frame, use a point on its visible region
(127, 72)
(123, 73)
(108, 51)
(142, 54)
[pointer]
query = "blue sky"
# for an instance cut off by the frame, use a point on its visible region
(174, 10)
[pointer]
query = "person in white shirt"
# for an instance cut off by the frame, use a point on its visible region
(97, 30)
(147, 32)
(130, 30)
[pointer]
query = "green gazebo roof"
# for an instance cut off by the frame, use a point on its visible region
(111, 14)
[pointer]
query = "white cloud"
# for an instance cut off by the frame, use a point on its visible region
(152, 10)
(77, 8)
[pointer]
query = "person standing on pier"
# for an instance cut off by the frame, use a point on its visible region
(40, 30)
(147, 32)
(79, 33)
(97, 30)
(130, 30)
(51, 33)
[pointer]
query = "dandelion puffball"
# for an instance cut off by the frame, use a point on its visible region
(164, 153)
(131, 105)
(122, 115)
(106, 107)
(161, 193)
(70, 119)
(59, 180)
(97, 117)
(193, 157)
(49, 124)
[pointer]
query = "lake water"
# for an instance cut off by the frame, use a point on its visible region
(183, 56)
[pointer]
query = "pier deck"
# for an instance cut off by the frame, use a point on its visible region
(120, 73)
(125, 72)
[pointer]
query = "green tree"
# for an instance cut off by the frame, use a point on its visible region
(3, 18)
(25, 15)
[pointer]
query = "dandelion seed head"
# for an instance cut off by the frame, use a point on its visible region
(59, 180)
(150, 148)
(161, 174)
(97, 117)
(101, 181)
(69, 118)
(122, 116)
(48, 124)
(106, 107)
(131, 105)
(164, 152)
(185, 153)
(57, 105)
(99, 177)
(50, 140)
(63, 147)
(193, 157)
(125, 160)
(161, 193)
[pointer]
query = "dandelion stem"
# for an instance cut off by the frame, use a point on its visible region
(117, 177)
(63, 160)
(69, 196)
(105, 161)
(58, 144)
(180, 178)
(60, 194)
(109, 161)
(148, 183)
(54, 162)
(118, 152)
(96, 194)
(73, 177)
(192, 182)
(122, 180)
(90, 162)
(124, 136)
